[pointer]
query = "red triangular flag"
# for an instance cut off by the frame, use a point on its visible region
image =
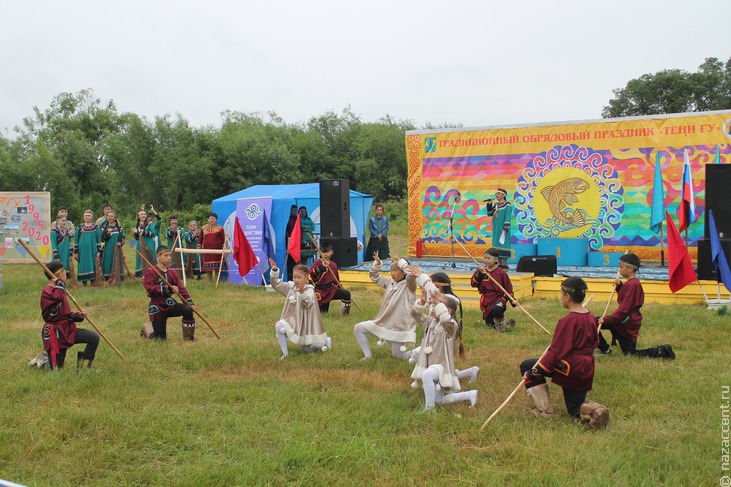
(243, 253)
(295, 241)
(680, 268)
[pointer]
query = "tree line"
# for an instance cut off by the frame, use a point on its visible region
(86, 153)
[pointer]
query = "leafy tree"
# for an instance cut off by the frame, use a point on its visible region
(674, 91)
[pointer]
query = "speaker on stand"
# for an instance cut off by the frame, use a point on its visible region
(335, 208)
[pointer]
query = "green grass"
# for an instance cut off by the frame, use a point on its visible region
(226, 412)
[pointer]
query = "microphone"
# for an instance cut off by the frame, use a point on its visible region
(458, 197)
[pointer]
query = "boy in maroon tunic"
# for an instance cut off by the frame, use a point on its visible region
(624, 324)
(59, 331)
(493, 300)
(324, 273)
(162, 304)
(569, 360)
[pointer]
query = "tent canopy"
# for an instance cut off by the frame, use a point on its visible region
(283, 197)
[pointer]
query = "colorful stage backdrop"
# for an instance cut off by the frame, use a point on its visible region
(615, 159)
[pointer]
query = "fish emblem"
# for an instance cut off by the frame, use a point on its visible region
(564, 194)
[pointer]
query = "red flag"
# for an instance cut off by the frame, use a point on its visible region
(680, 268)
(243, 253)
(686, 208)
(295, 241)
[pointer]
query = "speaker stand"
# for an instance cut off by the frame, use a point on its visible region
(451, 230)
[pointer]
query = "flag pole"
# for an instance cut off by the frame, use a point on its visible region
(179, 244)
(702, 290)
(662, 248)
(220, 264)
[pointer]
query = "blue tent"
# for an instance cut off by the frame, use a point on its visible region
(283, 197)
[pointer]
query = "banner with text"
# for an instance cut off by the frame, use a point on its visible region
(251, 213)
(26, 216)
(609, 165)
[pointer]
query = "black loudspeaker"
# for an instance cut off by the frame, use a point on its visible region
(335, 208)
(540, 265)
(718, 199)
(706, 270)
(345, 250)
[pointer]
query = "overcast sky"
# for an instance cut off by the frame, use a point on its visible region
(478, 63)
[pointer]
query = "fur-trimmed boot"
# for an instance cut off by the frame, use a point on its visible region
(147, 331)
(541, 397)
(81, 362)
(189, 331)
(345, 308)
(593, 415)
(500, 324)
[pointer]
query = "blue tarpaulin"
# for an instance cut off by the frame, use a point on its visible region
(283, 197)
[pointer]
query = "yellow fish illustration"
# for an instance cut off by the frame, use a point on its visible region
(562, 194)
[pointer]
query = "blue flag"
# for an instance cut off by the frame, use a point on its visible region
(658, 199)
(723, 273)
(267, 237)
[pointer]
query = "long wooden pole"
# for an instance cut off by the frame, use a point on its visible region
(332, 273)
(88, 318)
(522, 380)
(129, 272)
(512, 300)
(662, 247)
(179, 245)
(220, 264)
(177, 292)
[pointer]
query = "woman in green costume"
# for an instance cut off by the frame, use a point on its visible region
(308, 228)
(113, 238)
(146, 231)
(61, 237)
(501, 212)
(87, 249)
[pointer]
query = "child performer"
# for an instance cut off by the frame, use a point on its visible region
(443, 283)
(625, 322)
(570, 356)
(435, 364)
(300, 322)
(324, 273)
(162, 304)
(59, 331)
(61, 242)
(394, 321)
(493, 300)
(88, 248)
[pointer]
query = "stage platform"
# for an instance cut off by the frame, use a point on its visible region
(525, 284)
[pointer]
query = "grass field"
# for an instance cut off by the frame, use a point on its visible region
(227, 412)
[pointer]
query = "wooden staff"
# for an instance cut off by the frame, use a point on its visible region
(611, 296)
(332, 273)
(177, 292)
(179, 244)
(220, 264)
(129, 272)
(522, 380)
(72, 272)
(512, 300)
(88, 318)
